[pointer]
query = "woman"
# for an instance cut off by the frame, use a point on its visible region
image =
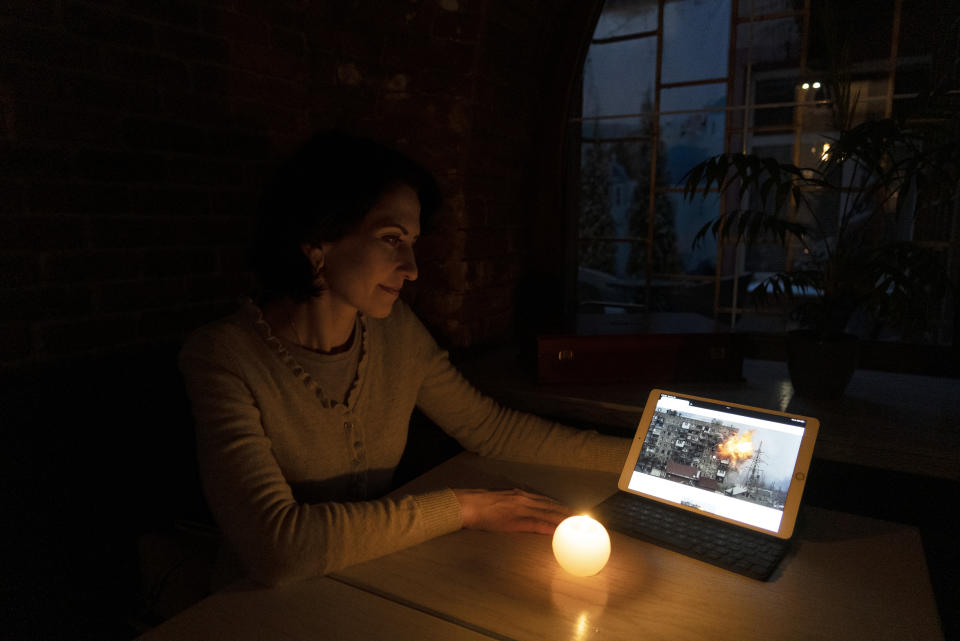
(302, 400)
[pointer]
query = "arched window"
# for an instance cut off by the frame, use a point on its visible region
(667, 84)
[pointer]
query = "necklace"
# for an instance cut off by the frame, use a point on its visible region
(336, 350)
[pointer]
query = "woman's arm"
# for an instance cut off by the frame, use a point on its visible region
(481, 425)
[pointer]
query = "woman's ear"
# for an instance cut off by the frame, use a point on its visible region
(315, 255)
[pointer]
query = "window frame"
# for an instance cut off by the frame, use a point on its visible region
(746, 133)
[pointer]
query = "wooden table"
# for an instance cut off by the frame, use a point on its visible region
(320, 608)
(850, 578)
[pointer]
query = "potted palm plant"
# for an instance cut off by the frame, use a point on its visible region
(850, 217)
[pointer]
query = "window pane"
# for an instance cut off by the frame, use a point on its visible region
(626, 257)
(767, 57)
(682, 296)
(613, 205)
(772, 87)
(811, 148)
(623, 17)
(764, 258)
(601, 263)
(665, 259)
(689, 217)
(696, 39)
(688, 139)
(779, 147)
(618, 77)
(770, 43)
(765, 7)
(614, 128)
(709, 96)
(866, 101)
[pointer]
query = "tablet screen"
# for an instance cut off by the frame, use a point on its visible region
(735, 462)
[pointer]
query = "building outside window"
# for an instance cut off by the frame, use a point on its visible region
(667, 84)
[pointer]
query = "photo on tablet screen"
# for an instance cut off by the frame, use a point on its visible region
(733, 462)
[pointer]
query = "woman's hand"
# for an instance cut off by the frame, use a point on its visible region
(510, 511)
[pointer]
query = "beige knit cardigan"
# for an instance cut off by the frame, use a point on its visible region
(293, 478)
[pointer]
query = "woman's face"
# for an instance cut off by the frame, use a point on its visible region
(366, 269)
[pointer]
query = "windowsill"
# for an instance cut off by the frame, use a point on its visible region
(887, 356)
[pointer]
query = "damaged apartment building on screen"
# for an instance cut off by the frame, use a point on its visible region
(707, 454)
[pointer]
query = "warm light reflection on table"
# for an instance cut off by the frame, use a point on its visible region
(573, 596)
(583, 624)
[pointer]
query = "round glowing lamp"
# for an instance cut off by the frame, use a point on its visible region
(581, 545)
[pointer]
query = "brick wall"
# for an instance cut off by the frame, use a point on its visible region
(134, 137)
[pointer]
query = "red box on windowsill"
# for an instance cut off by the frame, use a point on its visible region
(647, 348)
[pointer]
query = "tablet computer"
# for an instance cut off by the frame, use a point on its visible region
(736, 463)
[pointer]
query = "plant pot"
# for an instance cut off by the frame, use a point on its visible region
(821, 367)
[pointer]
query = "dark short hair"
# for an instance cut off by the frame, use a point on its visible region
(319, 194)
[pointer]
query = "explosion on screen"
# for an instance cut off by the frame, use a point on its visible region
(737, 448)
